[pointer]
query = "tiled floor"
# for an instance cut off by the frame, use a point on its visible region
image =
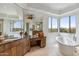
(51, 49)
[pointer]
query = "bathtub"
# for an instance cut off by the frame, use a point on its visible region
(67, 46)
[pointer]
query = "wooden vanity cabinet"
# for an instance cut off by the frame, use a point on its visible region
(27, 45)
(1, 48)
(39, 40)
(7, 52)
(3, 51)
(7, 46)
(13, 51)
(22, 47)
(7, 49)
(19, 50)
(15, 48)
(43, 43)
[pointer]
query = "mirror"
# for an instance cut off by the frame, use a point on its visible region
(11, 20)
(38, 26)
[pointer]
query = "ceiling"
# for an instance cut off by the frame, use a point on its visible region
(52, 8)
(56, 8)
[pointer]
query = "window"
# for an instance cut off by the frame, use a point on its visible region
(16, 25)
(52, 24)
(64, 24)
(73, 24)
(68, 24)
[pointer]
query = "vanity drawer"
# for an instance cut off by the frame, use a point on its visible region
(1, 48)
(43, 43)
(7, 52)
(13, 51)
(7, 46)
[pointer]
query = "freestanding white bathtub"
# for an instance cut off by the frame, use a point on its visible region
(67, 46)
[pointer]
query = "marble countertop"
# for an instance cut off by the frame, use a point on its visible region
(9, 40)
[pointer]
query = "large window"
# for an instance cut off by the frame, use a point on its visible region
(64, 24)
(73, 24)
(16, 25)
(68, 24)
(52, 24)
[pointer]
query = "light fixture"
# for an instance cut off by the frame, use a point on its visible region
(30, 17)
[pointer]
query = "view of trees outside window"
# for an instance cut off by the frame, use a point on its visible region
(52, 24)
(16, 25)
(67, 24)
(64, 24)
